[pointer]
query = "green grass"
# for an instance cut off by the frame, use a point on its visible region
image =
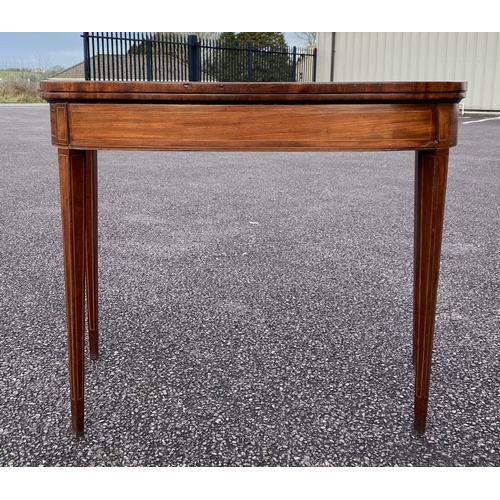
(10, 74)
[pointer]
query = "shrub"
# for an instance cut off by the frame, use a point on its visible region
(17, 90)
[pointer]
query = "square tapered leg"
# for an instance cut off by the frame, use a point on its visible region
(78, 204)
(431, 169)
(91, 249)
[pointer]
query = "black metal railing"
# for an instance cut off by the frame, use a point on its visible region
(181, 57)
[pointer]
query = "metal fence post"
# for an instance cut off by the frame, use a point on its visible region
(149, 59)
(249, 61)
(194, 59)
(294, 64)
(315, 54)
(86, 55)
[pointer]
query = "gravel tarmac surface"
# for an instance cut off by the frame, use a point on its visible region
(255, 309)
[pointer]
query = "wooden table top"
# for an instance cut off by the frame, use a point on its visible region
(58, 90)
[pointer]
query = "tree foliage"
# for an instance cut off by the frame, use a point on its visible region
(169, 50)
(263, 39)
(255, 56)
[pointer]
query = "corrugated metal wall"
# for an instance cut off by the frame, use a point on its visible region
(470, 57)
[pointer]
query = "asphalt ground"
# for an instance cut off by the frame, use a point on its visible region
(255, 309)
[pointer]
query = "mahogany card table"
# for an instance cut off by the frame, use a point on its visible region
(90, 116)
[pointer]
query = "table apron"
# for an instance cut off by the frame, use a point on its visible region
(255, 127)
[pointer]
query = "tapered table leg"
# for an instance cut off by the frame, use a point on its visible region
(72, 166)
(91, 249)
(431, 169)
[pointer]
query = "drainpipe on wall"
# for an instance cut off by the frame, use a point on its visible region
(333, 57)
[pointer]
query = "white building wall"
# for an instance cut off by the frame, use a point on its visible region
(324, 57)
(469, 57)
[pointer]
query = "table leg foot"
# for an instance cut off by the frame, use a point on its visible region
(94, 355)
(420, 415)
(77, 417)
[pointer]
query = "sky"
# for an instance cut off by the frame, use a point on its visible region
(46, 49)
(36, 49)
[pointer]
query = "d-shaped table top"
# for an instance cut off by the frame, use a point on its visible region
(78, 90)
(253, 116)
